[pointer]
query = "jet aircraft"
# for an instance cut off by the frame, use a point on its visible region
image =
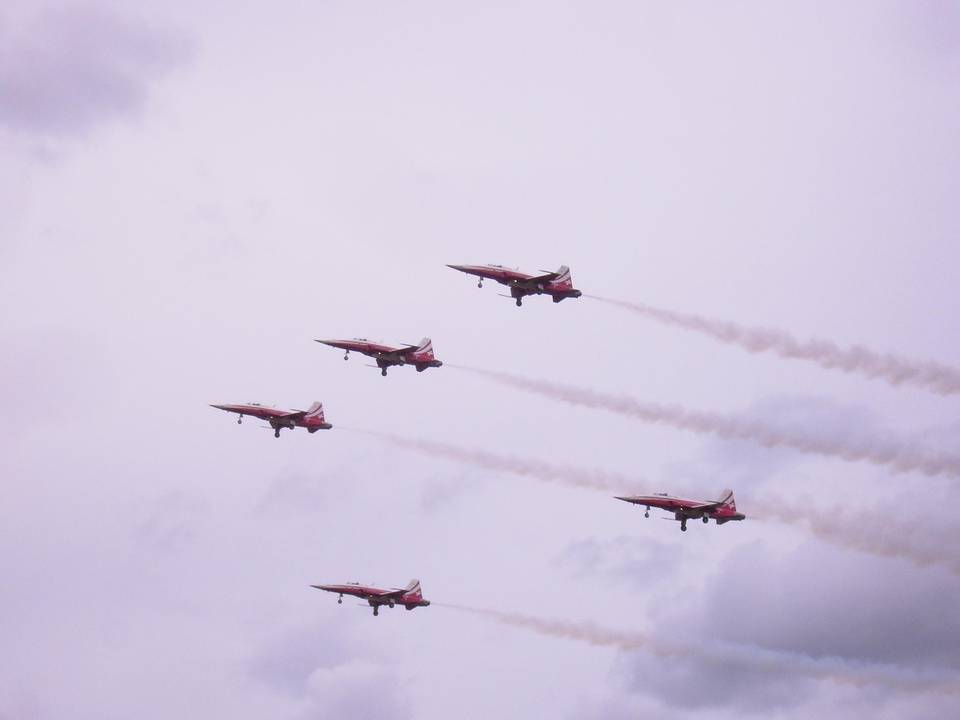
(311, 419)
(557, 284)
(410, 597)
(420, 356)
(722, 510)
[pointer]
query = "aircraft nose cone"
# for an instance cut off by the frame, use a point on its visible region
(625, 498)
(457, 267)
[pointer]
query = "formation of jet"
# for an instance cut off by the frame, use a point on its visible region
(557, 284)
(420, 356)
(311, 419)
(410, 597)
(722, 510)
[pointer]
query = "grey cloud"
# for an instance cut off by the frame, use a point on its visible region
(621, 707)
(826, 603)
(67, 70)
(702, 683)
(845, 615)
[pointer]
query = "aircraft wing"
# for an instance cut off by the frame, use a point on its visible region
(707, 506)
(546, 277)
(293, 415)
(397, 352)
(390, 593)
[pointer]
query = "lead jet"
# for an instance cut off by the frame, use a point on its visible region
(311, 419)
(420, 356)
(410, 597)
(557, 284)
(722, 510)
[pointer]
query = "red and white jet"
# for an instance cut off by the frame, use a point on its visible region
(557, 284)
(410, 597)
(722, 510)
(311, 419)
(420, 356)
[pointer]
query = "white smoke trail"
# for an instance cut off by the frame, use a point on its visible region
(548, 472)
(874, 532)
(590, 634)
(886, 534)
(893, 369)
(886, 452)
(725, 656)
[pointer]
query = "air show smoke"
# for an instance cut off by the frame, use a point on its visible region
(729, 657)
(874, 532)
(886, 534)
(885, 452)
(548, 472)
(590, 634)
(893, 369)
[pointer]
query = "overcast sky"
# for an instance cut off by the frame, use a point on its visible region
(190, 193)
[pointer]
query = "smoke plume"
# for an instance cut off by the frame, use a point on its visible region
(590, 634)
(893, 369)
(885, 452)
(876, 532)
(725, 656)
(548, 472)
(887, 534)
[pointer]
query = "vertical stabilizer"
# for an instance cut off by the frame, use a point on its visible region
(316, 411)
(425, 347)
(726, 499)
(563, 278)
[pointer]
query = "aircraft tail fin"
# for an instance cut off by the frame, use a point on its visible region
(563, 278)
(425, 347)
(726, 499)
(413, 588)
(316, 411)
